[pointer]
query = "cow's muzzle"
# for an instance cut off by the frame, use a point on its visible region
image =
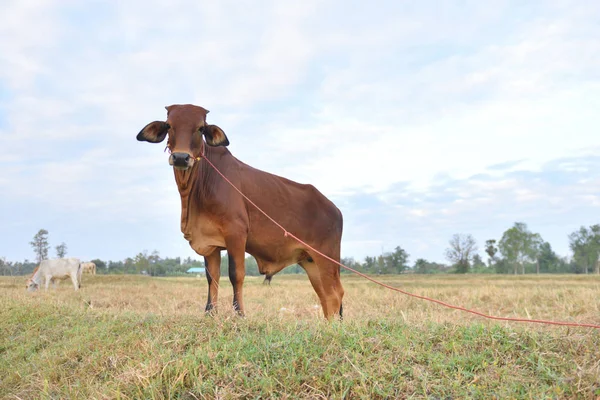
(181, 161)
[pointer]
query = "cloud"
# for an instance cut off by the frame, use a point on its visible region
(553, 201)
(418, 124)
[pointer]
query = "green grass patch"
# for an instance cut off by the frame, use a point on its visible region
(54, 345)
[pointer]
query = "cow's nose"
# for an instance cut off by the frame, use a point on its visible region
(180, 160)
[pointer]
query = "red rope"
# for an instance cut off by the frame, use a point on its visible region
(288, 234)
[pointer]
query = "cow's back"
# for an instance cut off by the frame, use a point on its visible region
(300, 208)
(301, 205)
(59, 267)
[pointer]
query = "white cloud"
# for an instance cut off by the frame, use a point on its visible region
(27, 29)
(386, 97)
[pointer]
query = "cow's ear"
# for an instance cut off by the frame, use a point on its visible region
(215, 136)
(154, 132)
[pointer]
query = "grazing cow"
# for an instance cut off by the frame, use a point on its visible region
(215, 217)
(88, 267)
(55, 270)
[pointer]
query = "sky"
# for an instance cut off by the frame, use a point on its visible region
(418, 119)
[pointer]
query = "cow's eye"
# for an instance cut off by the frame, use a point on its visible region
(201, 129)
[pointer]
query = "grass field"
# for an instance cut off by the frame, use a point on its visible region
(127, 337)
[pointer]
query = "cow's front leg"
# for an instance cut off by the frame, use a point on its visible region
(213, 274)
(75, 281)
(237, 271)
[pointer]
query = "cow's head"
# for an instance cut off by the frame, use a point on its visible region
(31, 286)
(185, 125)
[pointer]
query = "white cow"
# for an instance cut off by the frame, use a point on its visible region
(55, 270)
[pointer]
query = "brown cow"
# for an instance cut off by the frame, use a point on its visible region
(215, 217)
(89, 267)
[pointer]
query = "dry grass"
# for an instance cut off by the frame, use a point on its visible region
(141, 337)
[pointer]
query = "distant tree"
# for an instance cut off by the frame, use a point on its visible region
(17, 268)
(370, 264)
(491, 250)
(61, 250)
(400, 259)
(395, 262)
(224, 264)
(188, 261)
(519, 245)
(535, 248)
(461, 251)
(585, 245)
(548, 261)
(293, 269)
(116, 267)
(156, 268)
(141, 262)
(5, 267)
(564, 265)
(22, 268)
(145, 262)
(129, 265)
(502, 266)
(478, 264)
(381, 267)
(148, 262)
(251, 266)
(40, 245)
(350, 262)
(423, 266)
(174, 266)
(101, 266)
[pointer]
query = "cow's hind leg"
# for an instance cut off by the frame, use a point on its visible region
(324, 276)
(213, 274)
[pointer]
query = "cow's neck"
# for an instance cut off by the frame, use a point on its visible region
(195, 187)
(35, 278)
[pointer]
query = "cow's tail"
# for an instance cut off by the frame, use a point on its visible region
(79, 274)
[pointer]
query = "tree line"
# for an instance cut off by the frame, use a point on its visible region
(518, 251)
(521, 251)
